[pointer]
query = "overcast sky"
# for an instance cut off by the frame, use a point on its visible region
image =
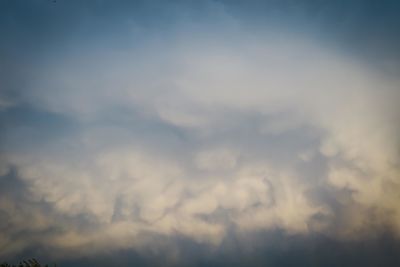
(200, 133)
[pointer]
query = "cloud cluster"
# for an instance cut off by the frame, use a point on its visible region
(197, 137)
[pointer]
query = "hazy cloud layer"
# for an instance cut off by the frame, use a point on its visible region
(134, 127)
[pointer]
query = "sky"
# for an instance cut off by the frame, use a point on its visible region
(200, 133)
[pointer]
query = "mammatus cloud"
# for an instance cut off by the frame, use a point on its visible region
(233, 139)
(198, 136)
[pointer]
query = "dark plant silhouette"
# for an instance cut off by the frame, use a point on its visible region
(26, 263)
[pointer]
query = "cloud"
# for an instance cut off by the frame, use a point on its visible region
(205, 134)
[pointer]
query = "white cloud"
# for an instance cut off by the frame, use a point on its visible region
(202, 139)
